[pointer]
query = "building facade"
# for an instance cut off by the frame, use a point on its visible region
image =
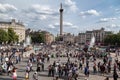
(81, 38)
(85, 38)
(49, 38)
(18, 28)
(68, 38)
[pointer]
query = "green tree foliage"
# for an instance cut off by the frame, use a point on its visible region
(3, 36)
(12, 36)
(38, 37)
(113, 39)
(57, 38)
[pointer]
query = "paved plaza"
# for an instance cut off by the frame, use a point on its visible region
(44, 75)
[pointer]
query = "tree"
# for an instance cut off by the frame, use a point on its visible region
(57, 38)
(3, 36)
(113, 39)
(41, 38)
(38, 37)
(12, 36)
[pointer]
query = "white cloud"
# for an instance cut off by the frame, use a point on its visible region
(43, 9)
(117, 10)
(42, 17)
(71, 4)
(51, 26)
(70, 25)
(107, 19)
(91, 12)
(41, 12)
(5, 16)
(25, 24)
(4, 8)
(75, 27)
(65, 24)
(108, 29)
(113, 26)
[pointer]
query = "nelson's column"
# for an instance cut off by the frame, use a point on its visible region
(61, 22)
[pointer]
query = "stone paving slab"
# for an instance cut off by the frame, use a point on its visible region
(43, 75)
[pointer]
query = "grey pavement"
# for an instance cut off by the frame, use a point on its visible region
(43, 75)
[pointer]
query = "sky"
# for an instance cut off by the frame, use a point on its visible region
(78, 15)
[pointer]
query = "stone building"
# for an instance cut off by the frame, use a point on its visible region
(81, 38)
(88, 36)
(49, 38)
(18, 27)
(68, 38)
(85, 38)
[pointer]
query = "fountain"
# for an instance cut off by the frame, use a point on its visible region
(28, 47)
(92, 42)
(27, 41)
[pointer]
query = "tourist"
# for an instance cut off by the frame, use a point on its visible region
(48, 58)
(70, 75)
(28, 68)
(115, 75)
(9, 66)
(4, 67)
(9, 69)
(26, 75)
(109, 67)
(94, 69)
(16, 57)
(107, 78)
(98, 66)
(6, 59)
(102, 69)
(53, 70)
(42, 65)
(59, 70)
(118, 65)
(49, 70)
(38, 67)
(2, 57)
(14, 73)
(35, 76)
(86, 71)
(30, 65)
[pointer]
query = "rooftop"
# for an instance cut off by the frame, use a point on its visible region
(10, 22)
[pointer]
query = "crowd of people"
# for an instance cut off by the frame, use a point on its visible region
(9, 57)
(77, 62)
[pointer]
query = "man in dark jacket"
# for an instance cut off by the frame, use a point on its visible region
(115, 75)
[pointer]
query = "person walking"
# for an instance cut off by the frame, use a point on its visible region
(115, 75)
(26, 75)
(35, 76)
(86, 71)
(38, 67)
(14, 74)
